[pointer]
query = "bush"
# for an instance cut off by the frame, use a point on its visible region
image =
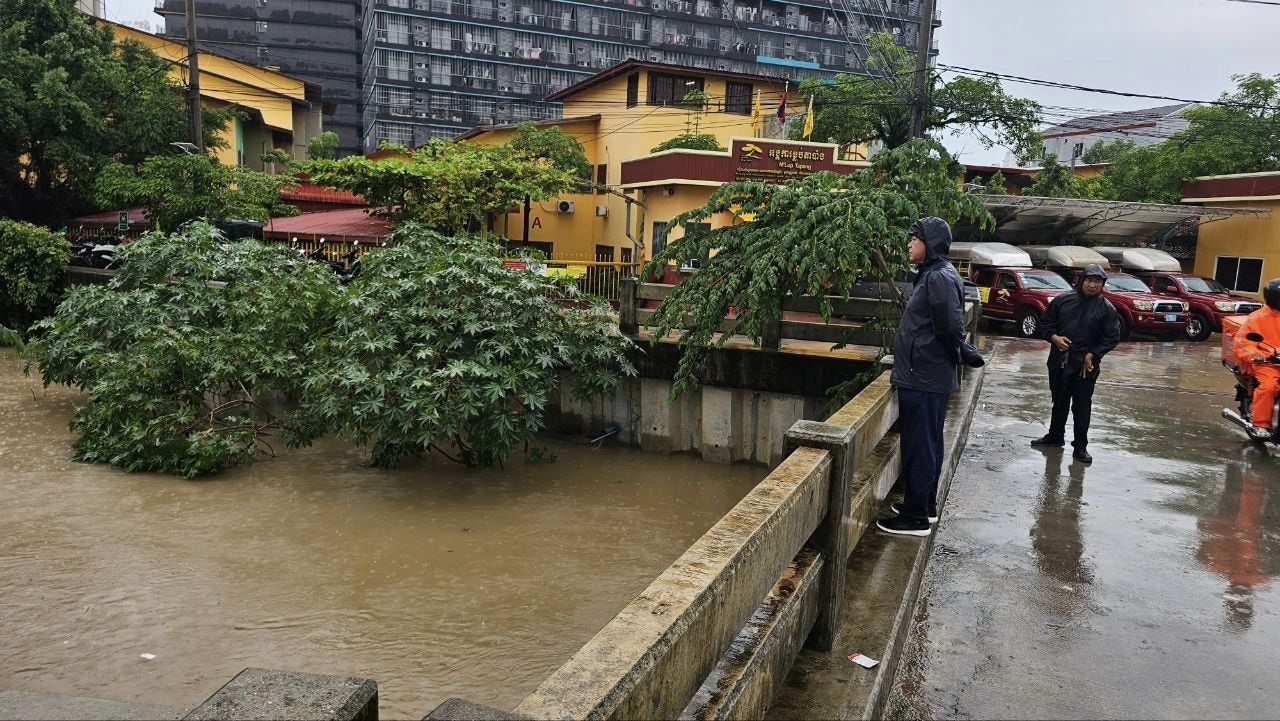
(32, 262)
(690, 141)
(440, 347)
(175, 363)
(435, 346)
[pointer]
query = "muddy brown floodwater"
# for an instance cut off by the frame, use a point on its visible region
(433, 579)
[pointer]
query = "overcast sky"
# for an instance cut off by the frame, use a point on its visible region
(1179, 48)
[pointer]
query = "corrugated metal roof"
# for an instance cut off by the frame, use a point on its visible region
(1123, 119)
(320, 194)
(351, 222)
(137, 217)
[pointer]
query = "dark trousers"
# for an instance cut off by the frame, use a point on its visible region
(921, 415)
(1071, 394)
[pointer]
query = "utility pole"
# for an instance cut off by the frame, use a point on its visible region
(924, 44)
(193, 79)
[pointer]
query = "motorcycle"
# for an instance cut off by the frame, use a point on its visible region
(1245, 386)
(318, 255)
(351, 262)
(88, 253)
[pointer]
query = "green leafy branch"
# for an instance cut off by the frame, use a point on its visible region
(816, 237)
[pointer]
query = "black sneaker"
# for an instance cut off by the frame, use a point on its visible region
(1047, 441)
(933, 517)
(1082, 455)
(902, 527)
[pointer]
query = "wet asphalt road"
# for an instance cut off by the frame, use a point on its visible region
(1142, 586)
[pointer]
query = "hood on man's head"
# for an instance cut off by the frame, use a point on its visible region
(1093, 270)
(936, 235)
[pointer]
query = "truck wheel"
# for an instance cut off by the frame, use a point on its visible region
(1198, 328)
(1029, 325)
(1124, 329)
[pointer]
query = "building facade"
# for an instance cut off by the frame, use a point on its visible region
(316, 40)
(278, 111)
(407, 71)
(1149, 126)
(435, 68)
(637, 191)
(1242, 253)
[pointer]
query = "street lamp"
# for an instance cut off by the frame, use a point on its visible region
(188, 148)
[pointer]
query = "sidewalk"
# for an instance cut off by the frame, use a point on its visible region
(1138, 587)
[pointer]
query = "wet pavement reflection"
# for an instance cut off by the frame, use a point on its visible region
(1141, 586)
(432, 579)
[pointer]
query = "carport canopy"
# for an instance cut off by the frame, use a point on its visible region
(1023, 220)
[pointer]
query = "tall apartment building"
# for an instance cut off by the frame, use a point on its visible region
(316, 40)
(411, 70)
(436, 68)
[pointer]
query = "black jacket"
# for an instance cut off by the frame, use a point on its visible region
(1092, 324)
(926, 348)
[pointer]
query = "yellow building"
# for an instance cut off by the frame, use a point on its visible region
(1242, 252)
(280, 111)
(619, 115)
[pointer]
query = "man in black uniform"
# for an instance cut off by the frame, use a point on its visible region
(1081, 327)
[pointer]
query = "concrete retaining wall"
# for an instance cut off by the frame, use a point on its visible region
(724, 425)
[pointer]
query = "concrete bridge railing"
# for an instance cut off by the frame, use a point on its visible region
(714, 635)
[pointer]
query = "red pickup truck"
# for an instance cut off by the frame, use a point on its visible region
(1011, 290)
(1140, 309)
(1018, 294)
(1209, 302)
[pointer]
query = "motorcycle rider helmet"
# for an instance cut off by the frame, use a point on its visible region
(1271, 293)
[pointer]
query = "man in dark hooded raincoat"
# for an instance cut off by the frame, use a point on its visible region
(926, 351)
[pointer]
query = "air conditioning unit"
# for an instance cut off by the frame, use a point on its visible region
(565, 206)
(690, 266)
(602, 211)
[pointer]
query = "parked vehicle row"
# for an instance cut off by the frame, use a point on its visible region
(1147, 286)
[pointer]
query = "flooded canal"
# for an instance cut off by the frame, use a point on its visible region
(433, 579)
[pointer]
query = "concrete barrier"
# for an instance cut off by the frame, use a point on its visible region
(259, 694)
(715, 635)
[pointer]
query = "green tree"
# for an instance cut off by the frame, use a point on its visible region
(447, 186)
(814, 236)
(323, 146)
(441, 347)
(276, 156)
(178, 352)
(690, 141)
(436, 346)
(31, 266)
(1242, 135)
(71, 100)
(178, 188)
(1056, 180)
(877, 107)
(996, 185)
(1104, 152)
(560, 149)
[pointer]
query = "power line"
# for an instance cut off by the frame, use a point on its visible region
(1084, 88)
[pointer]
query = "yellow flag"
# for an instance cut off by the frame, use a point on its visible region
(756, 113)
(808, 120)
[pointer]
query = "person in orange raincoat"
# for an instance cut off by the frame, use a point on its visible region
(1264, 321)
